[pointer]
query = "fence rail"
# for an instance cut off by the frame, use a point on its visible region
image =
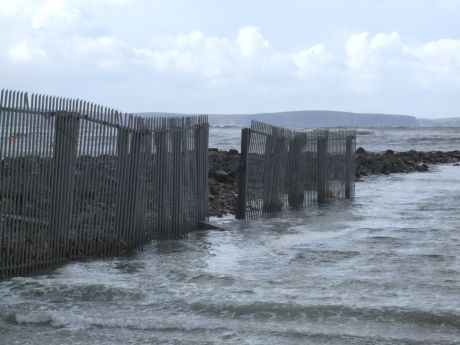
(81, 180)
(283, 169)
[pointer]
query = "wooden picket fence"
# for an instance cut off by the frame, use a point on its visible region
(79, 180)
(284, 169)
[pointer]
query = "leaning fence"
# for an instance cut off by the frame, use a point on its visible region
(80, 180)
(283, 169)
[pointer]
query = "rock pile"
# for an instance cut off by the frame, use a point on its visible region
(390, 162)
(224, 171)
(223, 181)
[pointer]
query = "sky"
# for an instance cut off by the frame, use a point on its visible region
(237, 57)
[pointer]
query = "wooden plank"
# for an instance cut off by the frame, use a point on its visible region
(321, 161)
(242, 188)
(63, 180)
(349, 167)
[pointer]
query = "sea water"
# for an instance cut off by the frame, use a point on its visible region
(381, 269)
(372, 139)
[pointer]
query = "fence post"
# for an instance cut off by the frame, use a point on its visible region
(269, 172)
(161, 191)
(349, 168)
(145, 157)
(122, 162)
(245, 142)
(295, 180)
(201, 149)
(322, 172)
(136, 191)
(178, 230)
(129, 222)
(63, 182)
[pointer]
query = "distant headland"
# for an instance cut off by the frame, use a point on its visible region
(325, 118)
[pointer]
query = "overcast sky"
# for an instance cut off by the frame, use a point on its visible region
(211, 56)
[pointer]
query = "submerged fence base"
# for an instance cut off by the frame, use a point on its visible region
(283, 169)
(79, 180)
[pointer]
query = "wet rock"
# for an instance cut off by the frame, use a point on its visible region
(224, 171)
(422, 167)
(221, 176)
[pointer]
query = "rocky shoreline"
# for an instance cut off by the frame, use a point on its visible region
(224, 171)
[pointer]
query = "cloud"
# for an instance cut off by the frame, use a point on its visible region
(436, 62)
(77, 38)
(8, 8)
(120, 2)
(101, 53)
(11, 8)
(383, 59)
(25, 52)
(248, 56)
(369, 59)
(308, 61)
(192, 53)
(363, 52)
(100, 45)
(52, 12)
(250, 41)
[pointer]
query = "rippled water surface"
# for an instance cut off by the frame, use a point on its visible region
(382, 269)
(372, 139)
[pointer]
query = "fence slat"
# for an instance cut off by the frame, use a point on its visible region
(81, 180)
(283, 168)
(63, 181)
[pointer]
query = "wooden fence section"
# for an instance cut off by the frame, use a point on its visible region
(79, 180)
(283, 169)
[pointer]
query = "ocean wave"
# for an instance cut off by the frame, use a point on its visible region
(287, 311)
(434, 140)
(83, 293)
(207, 278)
(257, 311)
(61, 319)
(227, 126)
(364, 132)
(76, 321)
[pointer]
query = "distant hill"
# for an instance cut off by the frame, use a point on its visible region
(324, 118)
(318, 118)
(449, 122)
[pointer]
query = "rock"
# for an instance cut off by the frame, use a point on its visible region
(221, 176)
(224, 171)
(412, 153)
(422, 167)
(456, 164)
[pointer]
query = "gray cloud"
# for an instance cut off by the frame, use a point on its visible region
(82, 49)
